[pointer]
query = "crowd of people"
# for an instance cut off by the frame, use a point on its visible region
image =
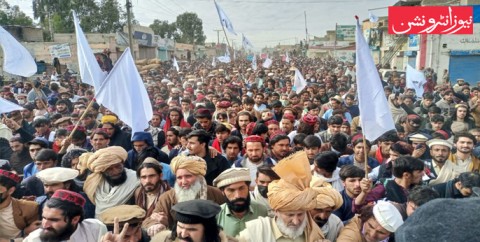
(236, 154)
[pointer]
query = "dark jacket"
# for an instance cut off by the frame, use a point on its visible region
(120, 138)
(448, 189)
(131, 162)
(215, 166)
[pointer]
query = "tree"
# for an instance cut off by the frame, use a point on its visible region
(163, 28)
(106, 16)
(12, 15)
(189, 29)
(112, 16)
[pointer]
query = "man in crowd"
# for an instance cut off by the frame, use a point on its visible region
(198, 141)
(351, 177)
(63, 220)
(287, 197)
(195, 221)
(265, 175)
(190, 184)
(127, 217)
(460, 187)
(171, 139)
(151, 185)
(239, 209)
(334, 124)
(16, 215)
(141, 141)
(325, 167)
(233, 146)
(20, 156)
(254, 155)
(45, 159)
(34, 146)
(99, 139)
(439, 169)
(110, 183)
(312, 145)
(463, 159)
(381, 152)
(279, 145)
(205, 122)
(54, 179)
(323, 217)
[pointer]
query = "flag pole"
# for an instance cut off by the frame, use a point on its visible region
(81, 118)
(365, 153)
(228, 43)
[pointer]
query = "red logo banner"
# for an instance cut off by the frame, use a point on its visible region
(430, 20)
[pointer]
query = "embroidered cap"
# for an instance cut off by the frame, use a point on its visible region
(69, 196)
(10, 175)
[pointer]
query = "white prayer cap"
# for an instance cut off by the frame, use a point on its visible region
(387, 216)
(249, 69)
(433, 142)
(199, 83)
(57, 175)
(165, 80)
(170, 84)
(270, 74)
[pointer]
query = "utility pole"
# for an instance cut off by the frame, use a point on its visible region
(218, 35)
(306, 30)
(335, 43)
(129, 25)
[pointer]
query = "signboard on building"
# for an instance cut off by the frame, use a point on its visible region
(60, 50)
(413, 41)
(145, 39)
(345, 55)
(346, 32)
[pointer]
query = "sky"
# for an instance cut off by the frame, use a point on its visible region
(263, 22)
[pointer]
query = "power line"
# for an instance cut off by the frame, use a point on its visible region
(276, 2)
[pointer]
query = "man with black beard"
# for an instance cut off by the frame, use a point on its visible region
(63, 220)
(152, 185)
(234, 184)
(265, 175)
(110, 183)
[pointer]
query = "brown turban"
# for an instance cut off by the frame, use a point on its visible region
(99, 162)
(293, 193)
(327, 196)
(192, 164)
(82, 162)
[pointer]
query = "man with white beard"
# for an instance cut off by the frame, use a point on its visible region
(190, 184)
(291, 198)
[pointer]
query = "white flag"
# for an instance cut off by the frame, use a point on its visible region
(287, 58)
(375, 114)
(224, 20)
(372, 17)
(416, 80)
(246, 43)
(175, 64)
(214, 62)
(226, 57)
(16, 59)
(267, 63)
(124, 93)
(7, 106)
(254, 63)
(88, 66)
(299, 82)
